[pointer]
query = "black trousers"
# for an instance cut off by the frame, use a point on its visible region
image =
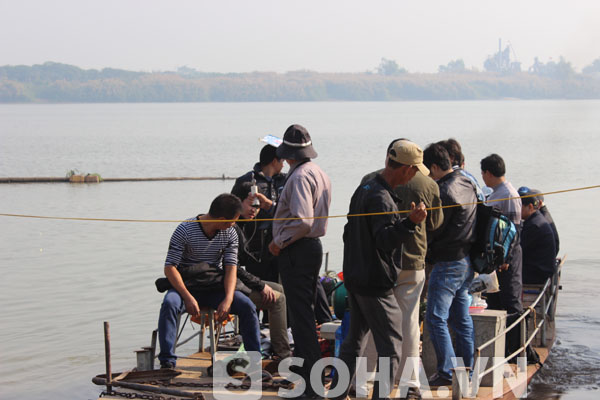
(381, 316)
(322, 310)
(511, 286)
(299, 266)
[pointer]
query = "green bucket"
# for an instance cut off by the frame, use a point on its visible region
(340, 301)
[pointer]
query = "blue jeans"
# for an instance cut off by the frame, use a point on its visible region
(173, 305)
(448, 302)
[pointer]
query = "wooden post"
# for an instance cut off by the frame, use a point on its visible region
(153, 345)
(107, 356)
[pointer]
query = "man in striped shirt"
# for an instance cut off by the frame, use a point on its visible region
(209, 238)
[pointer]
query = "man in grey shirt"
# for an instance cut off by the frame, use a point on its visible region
(506, 199)
(306, 196)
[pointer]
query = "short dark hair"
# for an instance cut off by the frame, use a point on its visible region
(267, 154)
(394, 164)
(436, 154)
(392, 144)
(494, 164)
(531, 200)
(454, 151)
(225, 205)
(242, 191)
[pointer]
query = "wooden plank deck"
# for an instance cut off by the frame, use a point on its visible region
(193, 370)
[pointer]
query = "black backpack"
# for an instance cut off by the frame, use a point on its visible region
(494, 237)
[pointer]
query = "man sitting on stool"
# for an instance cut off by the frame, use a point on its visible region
(209, 238)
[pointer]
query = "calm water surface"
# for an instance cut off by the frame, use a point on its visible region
(62, 279)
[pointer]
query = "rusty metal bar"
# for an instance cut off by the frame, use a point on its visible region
(153, 345)
(146, 388)
(107, 356)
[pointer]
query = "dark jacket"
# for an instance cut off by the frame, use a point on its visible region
(203, 277)
(420, 188)
(252, 281)
(269, 186)
(548, 216)
(537, 242)
(371, 241)
(452, 241)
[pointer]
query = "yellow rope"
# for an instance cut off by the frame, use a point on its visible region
(294, 218)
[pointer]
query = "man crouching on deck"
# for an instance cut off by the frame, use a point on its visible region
(206, 239)
(370, 273)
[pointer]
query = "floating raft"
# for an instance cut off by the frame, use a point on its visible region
(97, 179)
(191, 378)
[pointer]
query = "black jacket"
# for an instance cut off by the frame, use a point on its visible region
(371, 241)
(271, 188)
(452, 241)
(548, 216)
(203, 277)
(537, 242)
(252, 281)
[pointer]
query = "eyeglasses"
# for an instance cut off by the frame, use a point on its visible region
(255, 206)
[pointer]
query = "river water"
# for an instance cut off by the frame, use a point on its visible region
(61, 279)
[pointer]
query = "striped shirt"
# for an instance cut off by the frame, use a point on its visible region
(189, 245)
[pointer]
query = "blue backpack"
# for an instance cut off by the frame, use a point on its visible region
(494, 237)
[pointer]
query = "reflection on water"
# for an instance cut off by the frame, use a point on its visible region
(572, 371)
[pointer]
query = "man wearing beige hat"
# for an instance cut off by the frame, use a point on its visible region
(410, 259)
(298, 225)
(370, 272)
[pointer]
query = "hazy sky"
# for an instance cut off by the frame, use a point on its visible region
(280, 35)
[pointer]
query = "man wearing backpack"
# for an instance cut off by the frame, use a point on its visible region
(447, 295)
(506, 199)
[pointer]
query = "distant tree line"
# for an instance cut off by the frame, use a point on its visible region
(55, 82)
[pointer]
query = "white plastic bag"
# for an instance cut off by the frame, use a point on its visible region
(487, 283)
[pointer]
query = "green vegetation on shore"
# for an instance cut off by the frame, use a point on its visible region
(57, 83)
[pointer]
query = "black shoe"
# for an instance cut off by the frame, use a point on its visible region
(167, 365)
(308, 396)
(436, 380)
(413, 393)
